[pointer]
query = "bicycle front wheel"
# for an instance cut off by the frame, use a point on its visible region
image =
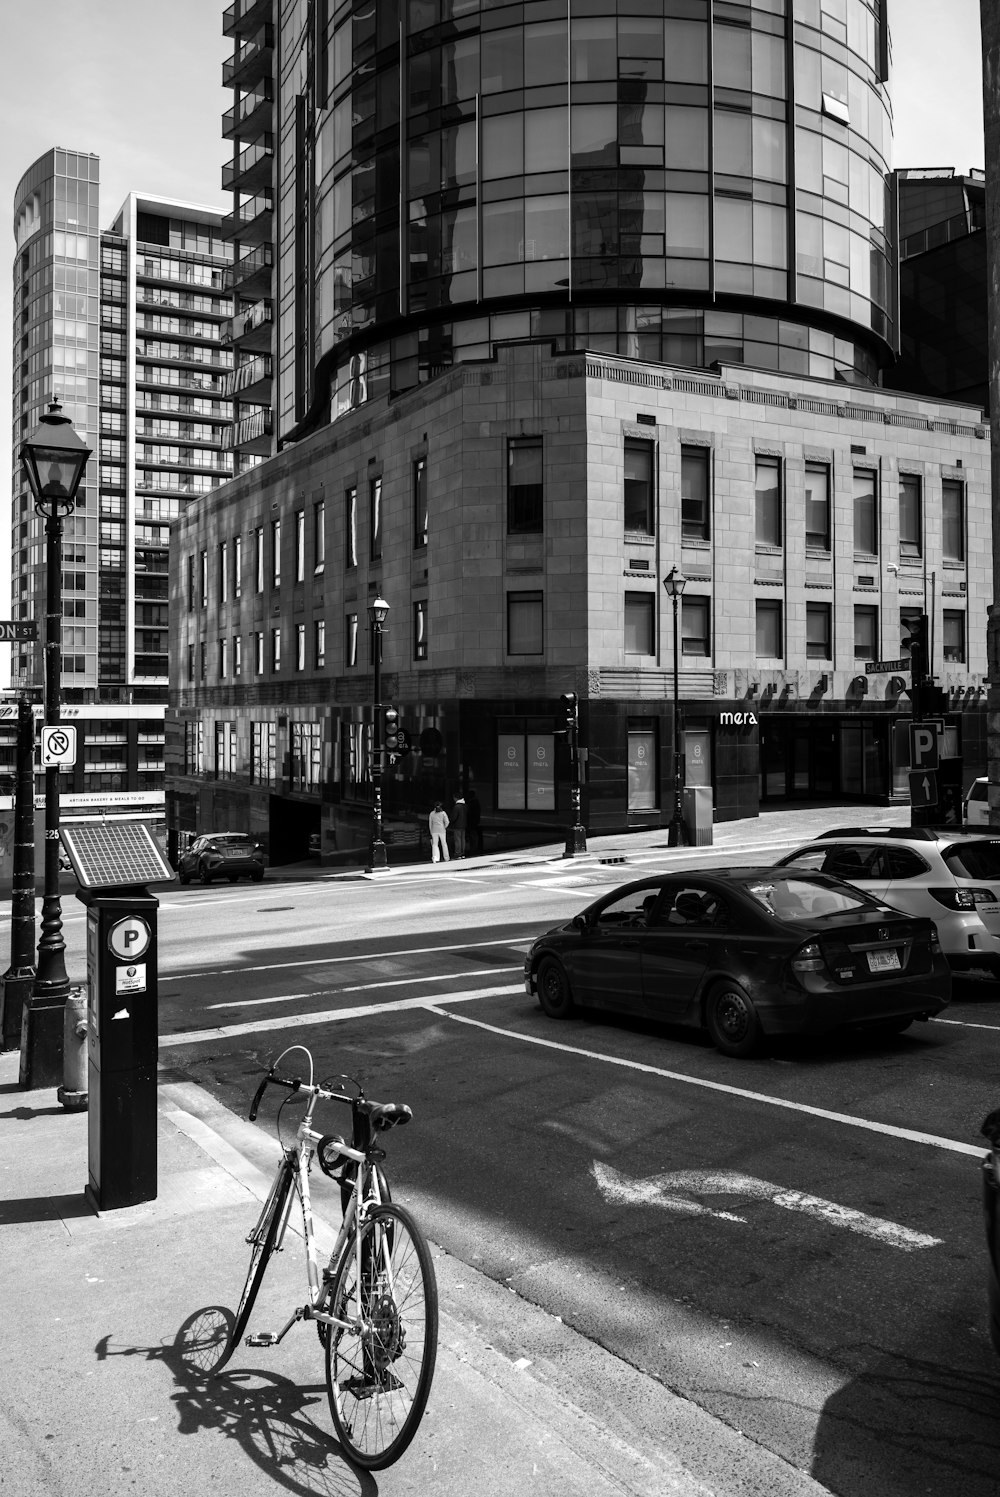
(263, 1240)
(379, 1371)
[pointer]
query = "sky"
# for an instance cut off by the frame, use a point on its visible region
(138, 82)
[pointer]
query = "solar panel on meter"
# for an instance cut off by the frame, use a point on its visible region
(110, 854)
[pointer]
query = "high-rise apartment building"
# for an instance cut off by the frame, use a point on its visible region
(546, 299)
(125, 327)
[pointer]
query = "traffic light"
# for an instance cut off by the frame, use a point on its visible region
(390, 729)
(914, 642)
(570, 700)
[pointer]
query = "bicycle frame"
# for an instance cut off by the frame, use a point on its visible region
(365, 1194)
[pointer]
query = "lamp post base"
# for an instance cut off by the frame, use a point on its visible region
(377, 858)
(677, 835)
(576, 841)
(42, 1042)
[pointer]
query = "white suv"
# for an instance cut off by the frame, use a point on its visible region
(953, 877)
(977, 803)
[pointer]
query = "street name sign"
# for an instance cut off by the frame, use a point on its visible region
(15, 632)
(885, 667)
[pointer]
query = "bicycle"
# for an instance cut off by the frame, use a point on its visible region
(375, 1303)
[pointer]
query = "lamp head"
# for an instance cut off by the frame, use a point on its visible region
(675, 582)
(378, 610)
(54, 460)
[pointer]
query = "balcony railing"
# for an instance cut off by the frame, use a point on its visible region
(250, 61)
(251, 115)
(251, 376)
(245, 15)
(255, 267)
(252, 168)
(252, 328)
(253, 433)
(251, 222)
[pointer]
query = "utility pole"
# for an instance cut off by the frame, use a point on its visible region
(989, 13)
(20, 975)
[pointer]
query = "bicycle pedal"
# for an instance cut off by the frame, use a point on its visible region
(262, 1338)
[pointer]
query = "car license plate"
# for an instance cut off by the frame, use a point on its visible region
(883, 961)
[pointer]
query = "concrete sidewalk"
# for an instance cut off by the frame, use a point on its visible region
(98, 1393)
(766, 835)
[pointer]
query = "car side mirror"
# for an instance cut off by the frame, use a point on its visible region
(581, 923)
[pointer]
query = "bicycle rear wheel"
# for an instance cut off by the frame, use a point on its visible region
(262, 1241)
(378, 1374)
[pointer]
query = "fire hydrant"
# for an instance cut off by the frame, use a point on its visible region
(73, 1092)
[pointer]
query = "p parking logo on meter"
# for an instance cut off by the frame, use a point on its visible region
(129, 938)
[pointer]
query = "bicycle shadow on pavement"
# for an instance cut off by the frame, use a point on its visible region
(269, 1415)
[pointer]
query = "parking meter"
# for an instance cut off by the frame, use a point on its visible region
(122, 1022)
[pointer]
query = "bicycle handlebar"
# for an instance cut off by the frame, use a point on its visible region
(270, 1078)
(383, 1115)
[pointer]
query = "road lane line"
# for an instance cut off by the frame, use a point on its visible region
(365, 987)
(964, 1024)
(329, 1016)
(330, 961)
(910, 1135)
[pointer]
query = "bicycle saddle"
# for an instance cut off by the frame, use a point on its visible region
(387, 1114)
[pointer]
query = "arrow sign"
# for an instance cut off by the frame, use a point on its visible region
(678, 1192)
(923, 787)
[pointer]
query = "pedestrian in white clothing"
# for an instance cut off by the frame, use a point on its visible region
(438, 823)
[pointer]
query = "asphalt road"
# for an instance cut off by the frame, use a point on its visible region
(765, 1237)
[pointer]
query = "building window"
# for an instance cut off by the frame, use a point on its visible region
(525, 623)
(420, 629)
(202, 660)
(190, 663)
(865, 633)
(524, 486)
(225, 749)
(525, 769)
(204, 579)
(770, 639)
(275, 553)
(694, 493)
(910, 515)
(258, 559)
(319, 535)
(190, 582)
(319, 642)
(375, 516)
(237, 655)
(223, 659)
(237, 565)
(953, 635)
(640, 624)
(306, 756)
(767, 502)
(350, 528)
(819, 636)
(351, 639)
(817, 486)
(952, 520)
(300, 647)
(639, 511)
(695, 628)
(262, 753)
(258, 652)
(420, 517)
(194, 748)
(223, 573)
(865, 512)
(300, 545)
(276, 650)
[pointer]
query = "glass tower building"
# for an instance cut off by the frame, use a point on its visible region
(688, 181)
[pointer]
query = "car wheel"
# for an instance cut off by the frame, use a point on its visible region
(184, 877)
(203, 874)
(554, 992)
(258, 878)
(732, 1021)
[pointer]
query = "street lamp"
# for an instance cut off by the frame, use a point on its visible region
(675, 583)
(54, 459)
(377, 612)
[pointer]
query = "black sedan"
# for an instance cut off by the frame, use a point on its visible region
(744, 953)
(221, 855)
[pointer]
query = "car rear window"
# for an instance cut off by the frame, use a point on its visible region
(234, 841)
(979, 791)
(804, 898)
(979, 859)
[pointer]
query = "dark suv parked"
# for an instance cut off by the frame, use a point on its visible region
(221, 855)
